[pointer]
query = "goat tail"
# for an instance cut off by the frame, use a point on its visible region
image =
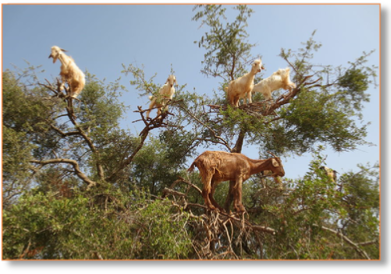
(226, 89)
(191, 168)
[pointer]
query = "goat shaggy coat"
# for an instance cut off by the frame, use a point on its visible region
(166, 93)
(219, 166)
(279, 79)
(70, 72)
(242, 86)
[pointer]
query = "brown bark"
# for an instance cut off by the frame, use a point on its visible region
(75, 165)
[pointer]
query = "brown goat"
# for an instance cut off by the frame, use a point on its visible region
(219, 166)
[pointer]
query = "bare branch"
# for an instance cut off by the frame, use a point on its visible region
(72, 118)
(149, 125)
(264, 229)
(367, 243)
(223, 142)
(167, 191)
(187, 182)
(75, 165)
(346, 239)
(64, 134)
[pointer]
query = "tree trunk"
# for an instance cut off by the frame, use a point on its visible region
(239, 142)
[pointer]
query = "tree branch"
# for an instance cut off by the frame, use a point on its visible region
(88, 141)
(154, 123)
(75, 165)
(346, 239)
(223, 142)
(367, 243)
(62, 133)
(72, 118)
(239, 142)
(188, 183)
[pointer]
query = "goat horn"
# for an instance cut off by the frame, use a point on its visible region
(63, 50)
(272, 154)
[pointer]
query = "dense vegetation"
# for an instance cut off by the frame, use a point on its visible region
(77, 186)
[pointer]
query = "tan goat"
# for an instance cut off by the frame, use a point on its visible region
(166, 92)
(70, 72)
(219, 166)
(242, 86)
(331, 173)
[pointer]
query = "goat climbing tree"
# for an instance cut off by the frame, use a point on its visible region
(77, 186)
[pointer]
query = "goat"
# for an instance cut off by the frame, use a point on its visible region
(279, 79)
(70, 72)
(331, 173)
(219, 166)
(166, 93)
(242, 86)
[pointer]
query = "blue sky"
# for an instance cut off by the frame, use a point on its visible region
(103, 37)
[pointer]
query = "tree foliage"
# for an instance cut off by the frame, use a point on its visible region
(227, 48)
(77, 186)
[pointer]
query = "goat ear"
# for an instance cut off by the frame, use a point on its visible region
(275, 163)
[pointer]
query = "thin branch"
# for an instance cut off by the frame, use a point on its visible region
(154, 123)
(292, 66)
(346, 239)
(272, 120)
(264, 229)
(49, 87)
(64, 134)
(367, 243)
(187, 182)
(88, 141)
(72, 118)
(224, 142)
(167, 191)
(75, 165)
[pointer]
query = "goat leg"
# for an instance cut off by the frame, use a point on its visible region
(205, 193)
(213, 200)
(237, 191)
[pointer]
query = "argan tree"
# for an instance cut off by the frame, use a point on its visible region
(77, 186)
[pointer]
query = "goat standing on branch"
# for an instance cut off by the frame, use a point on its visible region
(241, 87)
(219, 166)
(166, 93)
(279, 79)
(70, 72)
(331, 173)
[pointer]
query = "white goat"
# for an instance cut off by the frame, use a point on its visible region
(166, 92)
(242, 86)
(70, 72)
(279, 79)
